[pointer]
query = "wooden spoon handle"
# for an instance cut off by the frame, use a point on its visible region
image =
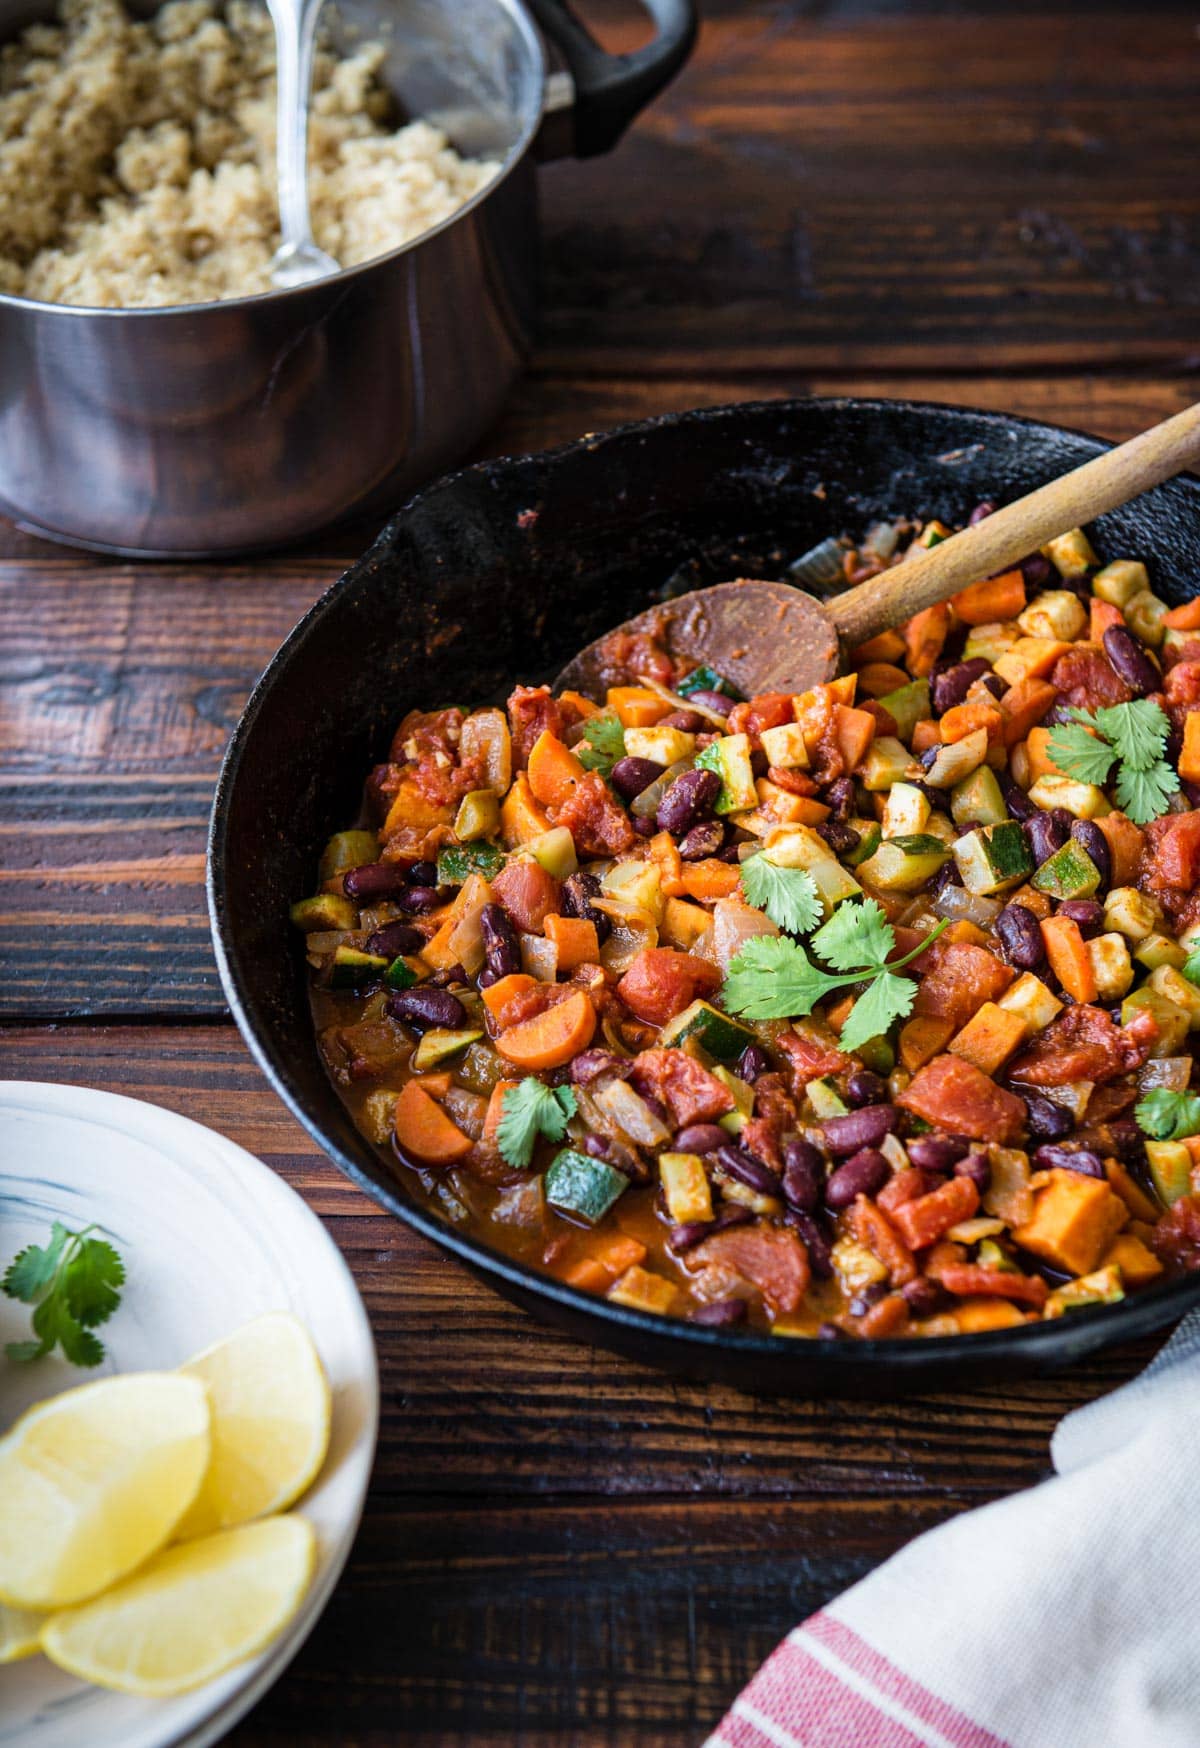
(1009, 535)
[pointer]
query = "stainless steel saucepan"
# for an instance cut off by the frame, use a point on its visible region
(228, 427)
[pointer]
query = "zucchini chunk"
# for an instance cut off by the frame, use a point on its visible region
(585, 1187)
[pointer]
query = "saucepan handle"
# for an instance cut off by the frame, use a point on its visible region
(610, 90)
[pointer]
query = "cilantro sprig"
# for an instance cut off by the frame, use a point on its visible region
(528, 1110)
(787, 895)
(73, 1284)
(773, 978)
(603, 743)
(1167, 1115)
(1133, 738)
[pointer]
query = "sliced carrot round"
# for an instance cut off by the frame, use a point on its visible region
(424, 1130)
(549, 1039)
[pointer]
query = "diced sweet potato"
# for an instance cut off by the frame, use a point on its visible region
(989, 1037)
(1075, 1219)
(974, 1316)
(1138, 1265)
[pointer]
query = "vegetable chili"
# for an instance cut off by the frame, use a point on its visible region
(867, 1011)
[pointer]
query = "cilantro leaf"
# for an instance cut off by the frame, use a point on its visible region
(528, 1110)
(603, 743)
(1167, 1115)
(787, 895)
(73, 1284)
(856, 936)
(1079, 754)
(1144, 795)
(889, 998)
(1191, 968)
(773, 978)
(1138, 731)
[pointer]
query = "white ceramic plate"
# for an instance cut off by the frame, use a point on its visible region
(210, 1238)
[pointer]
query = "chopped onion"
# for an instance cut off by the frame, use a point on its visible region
(485, 732)
(631, 1113)
(465, 941)
(960, 905)
(633, 930)
(539, 958)
(522, 1204)
(882, 538)
(734, 923)
(613, 1038)
(647, 802)
(821, 566)
(467, 1109)
(1174, 1072)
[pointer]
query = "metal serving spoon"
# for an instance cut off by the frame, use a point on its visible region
(771, 637)
(298, 259)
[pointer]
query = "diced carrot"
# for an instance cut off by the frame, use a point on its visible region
(930, 1217)
(709, 879)
(437, 1085)
(664, 853)
(498, 996)
(997, 598)
(973, 1278)
(495, 1109)
(1037, 751)
(520, 816)
(838, 1012)
(921, 1039)
(1102, 616)
(989, 1037)
(550, 1039)
(843, 690)
(1067, 952)
(608, 1255)
(1189, 758)
(425, 1131)
(924, 635)
(975, 1316)
(885, 1317)
(583, 705)
(553, 770)
(787, 808)
(873, 1229)
(854, 731)
(965, 719)
(576, 940)
(1185, 617)
(887, 647)
(876, 679)
(637, 706)
(926, 733)
(1023, 707)
(411, 807)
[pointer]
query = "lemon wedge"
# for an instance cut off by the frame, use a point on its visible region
(270, 1422)
(194, 1611)
(19, 1629)
(92, 1482)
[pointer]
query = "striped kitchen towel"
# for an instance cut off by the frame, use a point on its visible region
(1067, 1616)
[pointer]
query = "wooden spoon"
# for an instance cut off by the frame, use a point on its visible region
(771, 637)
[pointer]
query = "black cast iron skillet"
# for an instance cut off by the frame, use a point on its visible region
(500, 573)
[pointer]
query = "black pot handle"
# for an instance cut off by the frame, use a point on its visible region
(610, 90)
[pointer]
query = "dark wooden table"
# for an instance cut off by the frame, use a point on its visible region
(995, 204)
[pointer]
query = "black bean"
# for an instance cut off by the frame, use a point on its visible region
(1046, 1120)
(752, 1062)
(1046, 832)
(1081, 1159)
(1037, 572)
(952, 686)
(937, 1152)
(375, 880)
(690, 799)
(423, 874)
(814, 1240)
(702, 841)
(865, 1088)
(748, 1170)
(840, 796)
(865, 1128)
(1016, 800)
(395, 938)
(714, 701)
(1088, 833)
(981, 512)
(975, 1166)
(700, 1138)
(1086, 913)
(839, 835)
(803, 1175)
(1130, 661)
(862, 1175)
(422, 1008)
(720, 1314)
(923, 1296)
(630, 775)
(575, 899)
(1020, 937)
(501, 948)
(418, 900)
(591, 1064)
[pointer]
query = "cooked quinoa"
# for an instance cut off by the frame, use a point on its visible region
(137, 159)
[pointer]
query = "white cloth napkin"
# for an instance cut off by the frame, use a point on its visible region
(1067, 1616)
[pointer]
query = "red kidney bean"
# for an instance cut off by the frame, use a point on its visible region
(423, 1008)
(981, 512)
(1049, 1156)
(690, 797)
(1130, 661)
(803, 1175)
(714, 701)
(643, 827)
(729, 854)
(862, 1175)
(591, 1064)
(1087, 833)
(752, 1062)
(721, 1314)
(748, 1170)
(996, 684)
(395, 938)
(1037, 571)
(597, 1146)
(449, 975)
(975, 1166)
(947, 875)
(422, 874)
(815, 1242)
(375, 880)
(1016, 800)
(656, 1106)
(701, 1138)
(923, 1296)
(732, 1214)
(830, 1332)
(759, 763)
(631, 775)
(1020, 937)
(951, 686)
(1085, 913)
(839, 835)
(865, 1128)
(840, 796)
(1128, 1140)
(702, 841)
(419, 900)
(865, 1088)
(687, 1235)
(501, 949)
(689, 721)
(936, 1152)
(866, 1297)
(575, 899)
(1046, 1120)
(1046, 832)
